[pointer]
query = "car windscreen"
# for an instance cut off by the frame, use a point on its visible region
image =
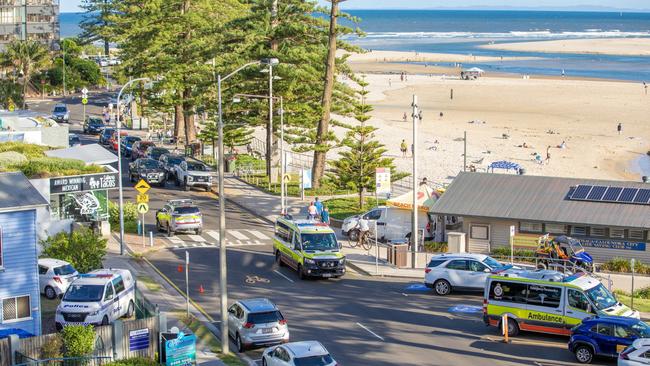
(601, 297)
(64, 270)
(323, 360)
(492, 263)
(186, 211)
(319, 241)
(150, 164)
(75, 140)
(96, 122)
(84, 293)
(108, 132)
(267, 317)
(60, 109)
(129, 140)
(174, 160)
(158, 152)
(642, 329)
(196, 166)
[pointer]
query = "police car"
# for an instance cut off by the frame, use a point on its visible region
(309, 247)
(99, 298)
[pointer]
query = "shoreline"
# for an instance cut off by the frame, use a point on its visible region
(593, 46)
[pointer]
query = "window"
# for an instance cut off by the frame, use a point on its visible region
(475, 266)
(636, 234)
(508, 292)
(605, 329)
(267, 317)
(64, 270)
(617, 233)
(598, 231)
(16, 308)
(119, 285)
(373, 215)
(579, 230)
(436, 262)
(480, 232)
(625, 332)
(556, 228)
(42, 270)
(544, 296)
(578, 300)
(460, 265)
(533, 227)
(109, 294)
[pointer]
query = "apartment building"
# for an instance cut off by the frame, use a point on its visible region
(29, 19)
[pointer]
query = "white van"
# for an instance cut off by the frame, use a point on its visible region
(99, 298)
(392, 223)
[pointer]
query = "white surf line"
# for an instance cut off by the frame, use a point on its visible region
(370, 331)
(283, 276)
(258, 234)
(238, 235)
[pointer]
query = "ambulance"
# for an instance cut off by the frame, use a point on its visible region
(547, 301)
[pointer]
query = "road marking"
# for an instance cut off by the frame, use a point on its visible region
(405, 295)
(283, 276)
(175, 240)
(528, 343)
(258, 234)
(213, 234)
(370, 331)
(196, 238)
(238, 235)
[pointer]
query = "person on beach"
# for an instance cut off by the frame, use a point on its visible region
(311, 211)
(441, 114)
(645, 86)
(619, 128)
(401, 76)
(389, 83)
(548, 154)
(562, 145)
(325, 215)
(404, 117)
(420, 115)
(403, 148)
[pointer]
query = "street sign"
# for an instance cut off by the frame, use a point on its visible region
(84, 91)
(84, 100)
(306, 178)
(382, 181)
(142, 198)
(142, 187)
(143, 208)
(287, 178)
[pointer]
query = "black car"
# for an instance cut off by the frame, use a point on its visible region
(169, 162)
(156, 152)
(127, 144)
(148, 169)
(61, 113)
(105, 136)
(94, 125)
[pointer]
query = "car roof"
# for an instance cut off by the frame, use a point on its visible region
(447, 256)
(306, 226)
(180, 202)
(150, 159)
(620, 320)
(132, 138)
(51, 262)
(172, 155)
(306, 349)
(60, 105)
(258, 305)
(99, 276)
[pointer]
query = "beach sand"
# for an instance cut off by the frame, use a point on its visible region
(605, 46)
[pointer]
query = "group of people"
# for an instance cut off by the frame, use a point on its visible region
(318, 211)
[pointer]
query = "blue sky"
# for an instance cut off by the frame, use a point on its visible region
(73, 5)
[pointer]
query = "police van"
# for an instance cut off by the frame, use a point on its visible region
(98, 298)
(547, 301)
(309, 247)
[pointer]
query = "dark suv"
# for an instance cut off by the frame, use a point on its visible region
(94, 125)
(105, 136)
(127, 144)
(139, 149)
(148, 169)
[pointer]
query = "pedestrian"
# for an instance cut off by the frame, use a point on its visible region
(563, 74)
(619, 128)
(311, 211)
(401, 76)
(451, 94)
(441, 114)
(420, 115)
(389, 83)
(548, 154)
(645, 86)
(404, 117)
(325, 215)
(319, 206)
(403, 148)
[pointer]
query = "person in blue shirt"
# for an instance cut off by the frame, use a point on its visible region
(319, 206)
(325, 215)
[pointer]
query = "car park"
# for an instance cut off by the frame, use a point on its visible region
(105, 136)
(139, 149)
(61, 113)
(638, 354)
(170, 162)
(255, 323)
(148, 169)
(605, 336)
(54, 276)
(179, 215)
(74, 140)
(155, 153)
(127, 144)
(306, 353)
(309, 247)
(98, 298)
(191, 173)
(463, 271)
(94, 125)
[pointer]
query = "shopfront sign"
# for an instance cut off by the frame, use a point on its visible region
(613, 244)
(83, 183)
(139, 339)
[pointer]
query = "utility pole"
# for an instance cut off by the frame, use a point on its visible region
(223, 281)
(269, 133)
(414, 231)
(465, 151)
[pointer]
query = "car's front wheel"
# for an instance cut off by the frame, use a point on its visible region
(239, 344)
(50, 293)
(442, 287)
(105, 320)
(584, 354)
(131, 310)
(186, 186)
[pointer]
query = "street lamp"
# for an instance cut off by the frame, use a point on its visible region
(118, 126)
(222, 200)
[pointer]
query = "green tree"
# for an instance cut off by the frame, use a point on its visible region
(79, 340)
(79, 72)
(97, 24)
(83, 249)
(27, 58)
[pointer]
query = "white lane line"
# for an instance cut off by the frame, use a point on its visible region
(283, 276)
(258, 234)
(213, 234)
(196, 238)
(175, 240)
(370, 331)
(238, 235)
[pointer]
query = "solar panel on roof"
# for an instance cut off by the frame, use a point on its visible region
(581, 192)
(612, 193)
(596, 193)
(628, 194)
(643, 196)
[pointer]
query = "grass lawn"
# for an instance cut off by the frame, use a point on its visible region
(293, 187)
(204, 335)
(152, 285)
(642, 305)
(340, 208)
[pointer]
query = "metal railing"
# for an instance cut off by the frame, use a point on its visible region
(555, 264)
(22, 360)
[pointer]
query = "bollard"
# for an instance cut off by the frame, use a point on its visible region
(504, 325)
(151, 238)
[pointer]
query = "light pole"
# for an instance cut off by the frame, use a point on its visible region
(118, 126)
(223, 282)
(414, 231)
(269, 136)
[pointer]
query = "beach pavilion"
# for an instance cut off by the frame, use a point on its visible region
(610, 218)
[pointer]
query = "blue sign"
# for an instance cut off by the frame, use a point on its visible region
(466, 309)
(613, 244)
(138, 339)
(417, 287)
(306, 178)
(181, 351)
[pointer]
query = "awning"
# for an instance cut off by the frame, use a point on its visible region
(507, 165)
(89, 154)
(426, 197)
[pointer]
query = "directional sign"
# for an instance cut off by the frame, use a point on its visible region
(142, 198)
(287, 178)
(142, 187)
(143, 208)
(84, 100)
(84, 91)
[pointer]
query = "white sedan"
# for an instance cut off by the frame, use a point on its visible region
(637, 354)
(54, 276)
(310, 353)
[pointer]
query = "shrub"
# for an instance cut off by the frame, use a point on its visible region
(29, 150)
(137, 361)
(505, 252)
(52, 348)
(79, 340)
(84, 249)
(130, 216)
(623, 265)
(435, 247)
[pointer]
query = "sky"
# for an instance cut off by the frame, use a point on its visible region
(73, 5)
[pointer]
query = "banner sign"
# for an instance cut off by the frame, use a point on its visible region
(382, 181)
(139, 339)
(613, 244)
(181, 351)
(306, 178)
(83, 183)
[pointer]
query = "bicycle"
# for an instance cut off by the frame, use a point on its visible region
(366, 243)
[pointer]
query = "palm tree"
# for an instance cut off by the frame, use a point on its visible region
(26, 57)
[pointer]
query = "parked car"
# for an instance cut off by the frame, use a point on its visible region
(193, 174)
(605, 336)
(179, 215)
(256, 322)
(170, 162)
(155, 153)
(74, 140)
(99, 298)
(54, 276)
(61, 113)
(310, 353)
(638, 354)
(459, 271)
(139, 149)
(105, 136)
(148, 169)
(127, 144)
(94, 125)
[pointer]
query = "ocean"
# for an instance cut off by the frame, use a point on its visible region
(462, 31)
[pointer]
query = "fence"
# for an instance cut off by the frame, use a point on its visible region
(5, 352)
(22, 360)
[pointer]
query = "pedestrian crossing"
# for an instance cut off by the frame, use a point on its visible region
(210, 238)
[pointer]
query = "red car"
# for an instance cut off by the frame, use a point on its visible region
(139, 149)
(113, 140)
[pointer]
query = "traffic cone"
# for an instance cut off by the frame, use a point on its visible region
(201, 290)
(180, 268)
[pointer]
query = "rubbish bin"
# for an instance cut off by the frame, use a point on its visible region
(397, 253)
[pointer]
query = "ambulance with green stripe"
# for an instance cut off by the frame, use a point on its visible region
(309, 247)
(547, 301)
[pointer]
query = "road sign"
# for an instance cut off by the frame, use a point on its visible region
(142, 198)
(142, 187)
(143, 208)
(287, 178)
(84, 100)
(84, 91)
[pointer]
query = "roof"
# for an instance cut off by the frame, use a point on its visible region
(51, 262)
(623, 320)
(89, 154)
(99, 276)
(16, 191)
(307, 225)
(258, 305)
(479, 257)
(537, 198)
(306, 349)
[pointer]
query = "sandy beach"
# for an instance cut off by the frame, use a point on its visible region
(604, 46)
(501, 114)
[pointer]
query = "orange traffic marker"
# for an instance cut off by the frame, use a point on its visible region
(201, 290)
(180, 268)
